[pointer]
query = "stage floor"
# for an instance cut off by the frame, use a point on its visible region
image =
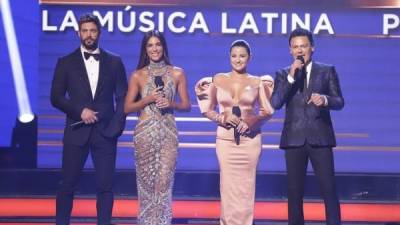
(35, 210)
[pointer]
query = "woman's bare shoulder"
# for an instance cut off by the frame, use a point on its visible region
(139, 74)
(177, 71)
(254, 80)
(220, 78)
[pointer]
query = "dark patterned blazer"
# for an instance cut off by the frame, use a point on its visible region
(307, 122)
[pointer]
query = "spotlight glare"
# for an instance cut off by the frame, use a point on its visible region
(15, 59)
(26, 118)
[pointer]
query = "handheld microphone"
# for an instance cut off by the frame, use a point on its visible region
(76, 123)
(80, 122)
(301, 58)
(159, 83)
(297, 73)
(236, 112)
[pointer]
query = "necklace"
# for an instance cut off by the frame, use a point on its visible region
(157, 68)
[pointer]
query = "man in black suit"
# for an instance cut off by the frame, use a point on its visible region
(85, 86)
(309, 90)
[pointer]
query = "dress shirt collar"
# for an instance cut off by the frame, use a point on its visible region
(308, 67)
(83, 49)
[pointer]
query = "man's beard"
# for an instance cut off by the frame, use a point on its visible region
(90, 46)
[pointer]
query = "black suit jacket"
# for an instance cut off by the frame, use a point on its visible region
(307, 122)
(70, 93)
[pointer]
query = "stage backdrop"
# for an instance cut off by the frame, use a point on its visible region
(361, 40)
(25, 18)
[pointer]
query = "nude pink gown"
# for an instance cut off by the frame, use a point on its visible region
(237, 163)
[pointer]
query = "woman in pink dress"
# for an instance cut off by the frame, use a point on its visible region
(244, 104)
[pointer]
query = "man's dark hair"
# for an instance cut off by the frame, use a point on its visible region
(89, 18)
(300, 32)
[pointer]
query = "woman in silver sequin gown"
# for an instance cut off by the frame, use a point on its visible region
(155, 136)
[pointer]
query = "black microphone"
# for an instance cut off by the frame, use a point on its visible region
(160, 83)
(236, 112)
(301, 58)
(297, 72)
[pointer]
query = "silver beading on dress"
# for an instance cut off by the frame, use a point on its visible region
(156, 143)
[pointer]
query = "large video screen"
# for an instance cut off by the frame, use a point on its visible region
(362, 41)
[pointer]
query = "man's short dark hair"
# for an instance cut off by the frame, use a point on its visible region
(89, 18)
(300, 32)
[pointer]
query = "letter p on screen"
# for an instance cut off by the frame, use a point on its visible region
(390, 22)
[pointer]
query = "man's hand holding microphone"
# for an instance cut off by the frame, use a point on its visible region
(295, 72)
(88, 116)
(297, 67)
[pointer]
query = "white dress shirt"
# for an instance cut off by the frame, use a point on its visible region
(308, 74)
(92, 69)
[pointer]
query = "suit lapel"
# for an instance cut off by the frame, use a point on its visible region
(80, 64)
(304, 86)
(102, 72)
(315, 71)
(313, 77)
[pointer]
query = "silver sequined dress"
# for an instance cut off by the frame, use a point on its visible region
(156, 143)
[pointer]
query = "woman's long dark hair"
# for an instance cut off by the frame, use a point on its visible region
(144, 58)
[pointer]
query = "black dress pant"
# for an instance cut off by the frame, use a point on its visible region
(103, 152)
(296, 165)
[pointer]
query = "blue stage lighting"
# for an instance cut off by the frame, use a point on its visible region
(25, 112)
